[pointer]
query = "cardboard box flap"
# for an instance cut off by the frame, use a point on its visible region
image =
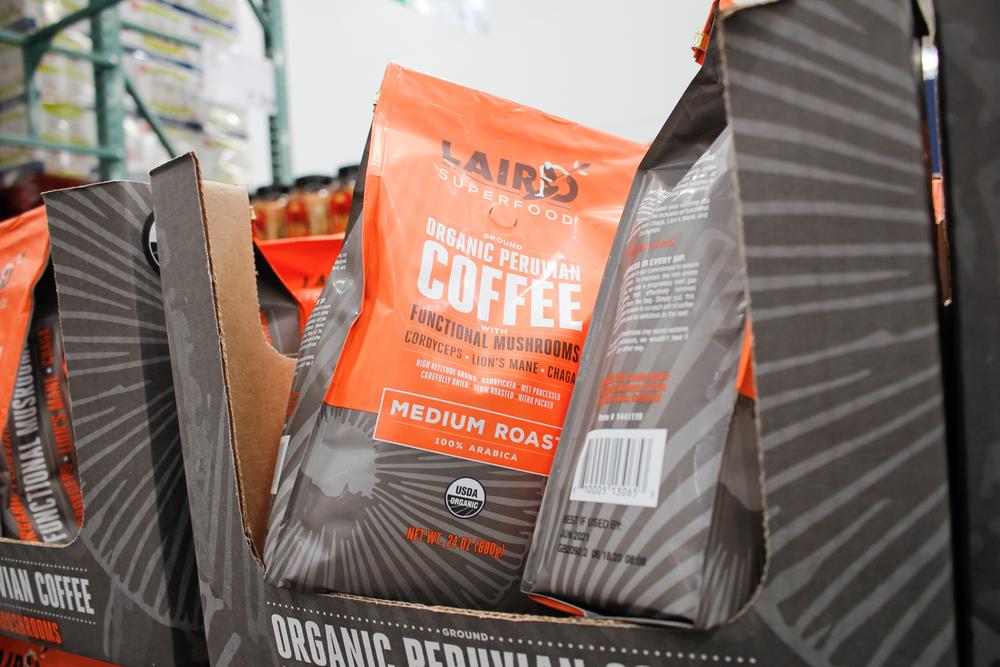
(258, 379)
(125, 589)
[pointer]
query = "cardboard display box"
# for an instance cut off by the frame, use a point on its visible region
(128, 580)
(823, 101)
(969, 39)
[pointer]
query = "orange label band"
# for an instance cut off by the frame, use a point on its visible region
(465, 432)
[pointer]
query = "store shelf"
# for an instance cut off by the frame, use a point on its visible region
(111, 84)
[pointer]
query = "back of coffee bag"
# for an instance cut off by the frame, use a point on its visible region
(655, 456)
(471, 272)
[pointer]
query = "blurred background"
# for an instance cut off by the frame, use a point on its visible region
(87, 95)
(615, 66)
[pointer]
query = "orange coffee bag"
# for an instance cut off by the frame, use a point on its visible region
(41, 493)
(437, 367)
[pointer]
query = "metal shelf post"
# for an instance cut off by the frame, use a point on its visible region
(109, 91)
(270, 15)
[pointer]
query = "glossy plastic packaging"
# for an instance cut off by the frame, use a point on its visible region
(437, 366)
(40, 487)
(653, 508)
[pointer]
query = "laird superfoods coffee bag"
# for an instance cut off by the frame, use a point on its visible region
(41, 492)
(437, 366)
(653, 509)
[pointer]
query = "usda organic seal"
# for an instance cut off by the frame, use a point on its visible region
(465, 497)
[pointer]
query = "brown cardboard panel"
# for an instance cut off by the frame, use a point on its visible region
(257, 376)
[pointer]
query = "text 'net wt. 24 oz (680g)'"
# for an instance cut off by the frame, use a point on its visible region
(653, 509)
(437, 366)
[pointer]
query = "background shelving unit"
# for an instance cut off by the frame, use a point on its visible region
(111, 84)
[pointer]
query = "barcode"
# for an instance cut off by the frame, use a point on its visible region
(620, 467)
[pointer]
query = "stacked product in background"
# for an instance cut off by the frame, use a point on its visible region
(26, 14)
(317, 205)
(342, 199)
(269, 204)
(41, 493)
(308, 210)
(653, 509)
(168, 75)
(438, 362)
(64, 111)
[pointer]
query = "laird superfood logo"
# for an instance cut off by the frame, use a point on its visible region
(546, 181)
